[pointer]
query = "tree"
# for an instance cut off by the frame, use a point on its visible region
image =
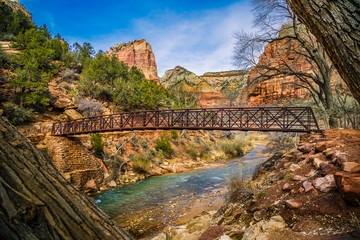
(271, 16)
(38, 203)
(336, 26)
(83, 52)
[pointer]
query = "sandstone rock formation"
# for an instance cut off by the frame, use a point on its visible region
(137, 53)
(75, 162)
(38, 203)
(212, 89)
(16, 5)
(275, 54)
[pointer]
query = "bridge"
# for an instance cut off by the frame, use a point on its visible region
(284, 119)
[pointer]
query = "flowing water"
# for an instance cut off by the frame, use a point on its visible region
(156, 202)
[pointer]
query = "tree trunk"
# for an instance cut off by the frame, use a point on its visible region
(38, 203)
(336, 24)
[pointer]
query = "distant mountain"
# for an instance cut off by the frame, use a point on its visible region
(137, 53)
(212, 89)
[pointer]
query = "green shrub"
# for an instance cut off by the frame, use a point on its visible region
(141, 164)
(174, 134)
(163, 144)
(97, 143)
(234, 148)
(144, 144)
(288, 176)
(193, 152)
(16, 115)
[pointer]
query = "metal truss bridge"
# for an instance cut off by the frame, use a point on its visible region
(280, 119)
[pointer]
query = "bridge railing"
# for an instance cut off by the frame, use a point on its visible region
(294, 119)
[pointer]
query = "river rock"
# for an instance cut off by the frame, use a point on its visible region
(261, 229)
(306, 148)
(112, 183)
(214, 232)
(307, 186)
(325, 184)
(292, 203)
(348, 166)
(293, 167)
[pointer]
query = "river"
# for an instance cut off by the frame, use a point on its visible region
(147, 206)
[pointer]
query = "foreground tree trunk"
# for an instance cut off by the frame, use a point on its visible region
(38, 203)
(336, 24)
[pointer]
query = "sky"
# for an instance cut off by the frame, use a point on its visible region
(197, 35)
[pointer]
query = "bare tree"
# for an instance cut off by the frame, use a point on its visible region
(336, 25)
(271, 15)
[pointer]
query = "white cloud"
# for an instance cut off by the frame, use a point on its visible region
(201, 41)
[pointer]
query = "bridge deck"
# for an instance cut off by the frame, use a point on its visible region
(285, 119)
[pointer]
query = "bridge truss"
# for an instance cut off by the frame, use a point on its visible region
(285, 119)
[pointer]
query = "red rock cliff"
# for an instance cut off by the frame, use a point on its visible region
(137, 53)
(275, 54)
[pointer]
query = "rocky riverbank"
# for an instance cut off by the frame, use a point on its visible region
(310, 193)
(140, 158)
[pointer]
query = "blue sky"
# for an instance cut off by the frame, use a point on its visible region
(197, 35)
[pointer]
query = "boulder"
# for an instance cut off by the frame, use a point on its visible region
(306, 148)
(293, 167)
(349, 186)
(112, 183)
(72, 114)
(340, 157)
(286, 187)
(62, 103)
(325, 184)
(292, 203)
(329, 152)
(307, 186)
(317, 162)
(348, 166)
(327, 168)
(321, 146)
(261, 229)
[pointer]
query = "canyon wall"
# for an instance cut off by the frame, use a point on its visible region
(277, 54)
(137, 53)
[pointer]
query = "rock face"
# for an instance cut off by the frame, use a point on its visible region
(137, 53)
(75, 163)
(16, 5)
(38, 203)
(212, 89)
(276, 53)
(349, 186)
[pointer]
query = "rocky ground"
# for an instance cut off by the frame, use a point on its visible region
(310, 193)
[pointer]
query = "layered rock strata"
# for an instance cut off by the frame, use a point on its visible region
(137, 53)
